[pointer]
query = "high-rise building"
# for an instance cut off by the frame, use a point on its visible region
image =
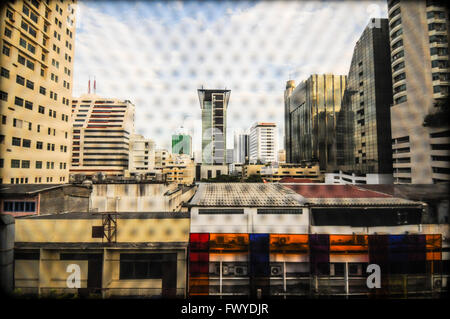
(230, 156)
(142, 154)
(363, 139)
(214, 105)
(419, 35)
(290, 86)
(240, 147)
(313, 107)
(263, 143)
(182, 144)
(101, 133)
(38, 42)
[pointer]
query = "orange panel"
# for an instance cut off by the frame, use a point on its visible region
(348, 243)
(433, 247)
(281, 242)
(228, 242)
(199, 285)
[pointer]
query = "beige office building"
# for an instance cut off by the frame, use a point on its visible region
(101, 133)
(142, 154)
(177, 168)
(419, 34)
(37, 42)
(275, 173)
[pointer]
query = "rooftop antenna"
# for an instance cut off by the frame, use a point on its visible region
(94, 86)
(89, 85)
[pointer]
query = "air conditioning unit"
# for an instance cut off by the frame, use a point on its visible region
(440, 283)
(240, 271)
(276, 270)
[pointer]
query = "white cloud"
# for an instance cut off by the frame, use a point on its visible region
(158, 55)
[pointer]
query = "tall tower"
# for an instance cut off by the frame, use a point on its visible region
(419, 35)
(364, 121)
(38, 41)
(214, 105)
(290, 86)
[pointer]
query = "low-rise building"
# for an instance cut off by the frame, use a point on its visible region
(312, 240)
(274, 173)
(126, 254)
(42, 199)
(138, 197)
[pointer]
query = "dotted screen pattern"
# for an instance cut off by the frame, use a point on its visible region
(157, 54)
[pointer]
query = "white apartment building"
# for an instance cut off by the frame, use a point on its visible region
(101, 132)
(142, 154)
(263, 143)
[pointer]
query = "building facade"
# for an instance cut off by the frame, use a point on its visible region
(275, 173)
(312, 109)
(419, 35)
(363, 141)
(263, 144)
(241, 147)
(101, 132)
(142, 154)
(214, 105)
(182, 144)
(38, 43)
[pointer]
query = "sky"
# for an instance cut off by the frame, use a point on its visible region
(158, 53)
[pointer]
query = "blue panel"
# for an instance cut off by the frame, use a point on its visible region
(259, 255)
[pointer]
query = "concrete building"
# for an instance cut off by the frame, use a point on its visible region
(312, 241)
(178, 168)
(312, 109)
(38, 42)
(127, 254)
(282, 156)
(44, 199)
(342, 177)
(182, 144)
(138, 197)
(141, 155)
(230, 156)
(101, 133)
(363, 139)
(203, 171)
(241, 147)
(263, 143)
(6, 254)
(419, 35)
(275, 173)
(214, 105)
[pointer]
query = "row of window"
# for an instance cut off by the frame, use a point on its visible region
(16, 163)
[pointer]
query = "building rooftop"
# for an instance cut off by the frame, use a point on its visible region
(245, 195)
(120, 215)
(27, 189)
(295, 180)
(347, 195)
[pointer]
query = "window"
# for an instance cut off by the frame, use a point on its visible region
(20, 80)
(39, 145)
(18, 101)
(3, 96)
(41, 109)
(16, 141)
(267, 211)
(25, 164)
(15, 163)
(220, 211)
(42, 90)
(6, 50)
(26, 143)
(29, 105)
(5, 73)
(17, 123)
(144, 266)
(8, 32)
(30, 84)
(400, 99)
(39, 164)
(30, 65)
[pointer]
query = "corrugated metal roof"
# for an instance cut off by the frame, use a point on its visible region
(245, 195)
(386, 201)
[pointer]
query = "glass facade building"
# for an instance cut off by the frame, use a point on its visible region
(214, 125)
(182, 144)
(363, 139)
(312, 109)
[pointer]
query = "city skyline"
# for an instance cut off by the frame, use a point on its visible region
(210, 53)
